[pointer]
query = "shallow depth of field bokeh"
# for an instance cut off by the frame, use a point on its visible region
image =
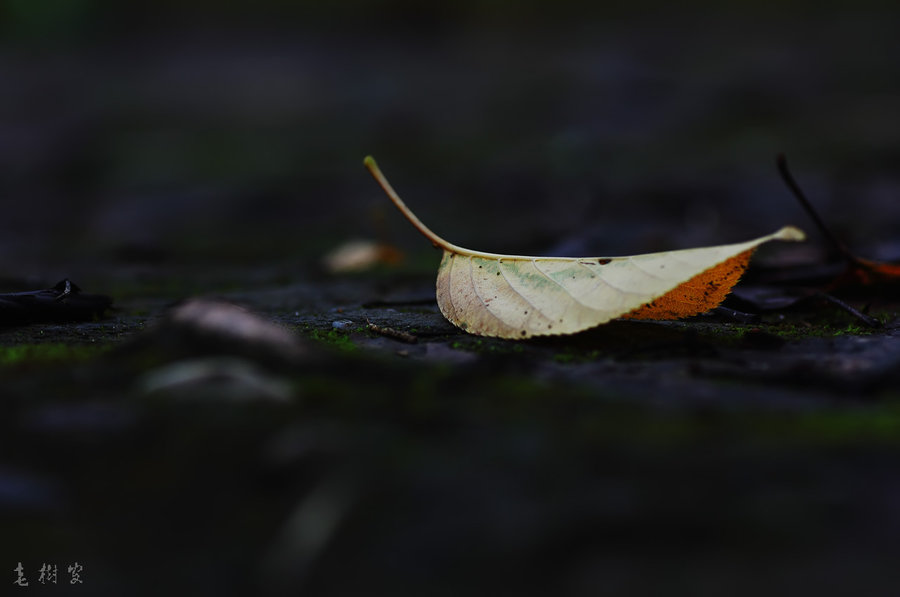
(191, 128)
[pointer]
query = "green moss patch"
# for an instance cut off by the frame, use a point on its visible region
(55, 352)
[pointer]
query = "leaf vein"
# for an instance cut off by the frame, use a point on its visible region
(534, 262)
(484, 304)
(513, 288)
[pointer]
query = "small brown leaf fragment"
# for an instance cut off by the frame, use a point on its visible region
(864, 273)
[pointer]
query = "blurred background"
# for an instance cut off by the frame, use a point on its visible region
(182, 130)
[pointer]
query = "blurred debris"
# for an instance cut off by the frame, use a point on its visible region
(342, 324)
(63, 302)
(862, 273)
(215, 378)
(203, 326)
(312, 526)
(360, 255)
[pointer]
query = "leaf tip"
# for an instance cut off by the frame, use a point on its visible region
(790, 233)
(369, 162)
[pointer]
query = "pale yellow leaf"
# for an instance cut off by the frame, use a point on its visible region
(515, 296)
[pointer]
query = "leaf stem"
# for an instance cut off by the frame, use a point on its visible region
(436, 240)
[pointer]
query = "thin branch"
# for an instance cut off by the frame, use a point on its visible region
(392, 333)
(866, 319)
(835, 242)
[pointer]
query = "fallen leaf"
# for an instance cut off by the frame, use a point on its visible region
(516, 297)
(862, 273)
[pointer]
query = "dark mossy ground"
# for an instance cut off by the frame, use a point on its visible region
(181, 150)
(705, 451)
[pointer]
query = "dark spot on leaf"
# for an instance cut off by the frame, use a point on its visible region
(523, 332)
(603, 261)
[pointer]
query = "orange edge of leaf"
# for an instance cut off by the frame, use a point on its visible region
(701, 293)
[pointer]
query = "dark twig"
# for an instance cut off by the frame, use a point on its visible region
(866, 319)
(788, 178)
(392, 333)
